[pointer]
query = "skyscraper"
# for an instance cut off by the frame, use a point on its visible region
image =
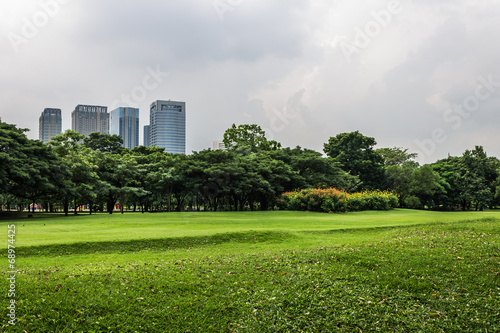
(49, 124)
(147, 136)
(86, 119)
(125, 123)
(168, 126)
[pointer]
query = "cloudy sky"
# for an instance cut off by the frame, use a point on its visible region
(423, 75)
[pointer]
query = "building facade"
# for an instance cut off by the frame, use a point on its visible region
(219, 145)
(168, 126)
(147, 136)
(124, 122)
(49, 124)
(86, 119)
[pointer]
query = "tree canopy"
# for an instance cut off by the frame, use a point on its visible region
(248, 136)
(72, 172)
(356, 155)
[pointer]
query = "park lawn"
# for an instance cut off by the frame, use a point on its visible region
(51, 229)
(391, 271)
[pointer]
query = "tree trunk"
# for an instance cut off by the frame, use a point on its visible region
(66, 207)
(235, 199)
(110, 204)
(264, 204)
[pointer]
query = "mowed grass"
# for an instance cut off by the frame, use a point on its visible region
(403, 270)
(56, 229)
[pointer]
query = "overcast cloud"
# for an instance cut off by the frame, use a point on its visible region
(300, 69)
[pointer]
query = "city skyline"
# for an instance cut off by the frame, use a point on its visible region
(170, 129)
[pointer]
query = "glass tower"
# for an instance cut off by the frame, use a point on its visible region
(50, 124)
(168, 126)
(125, 123)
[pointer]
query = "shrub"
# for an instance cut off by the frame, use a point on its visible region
(413, 202)
(333, 200)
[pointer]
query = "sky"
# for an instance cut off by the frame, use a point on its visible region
(422, 75)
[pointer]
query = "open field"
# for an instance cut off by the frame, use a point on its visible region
(401, 270)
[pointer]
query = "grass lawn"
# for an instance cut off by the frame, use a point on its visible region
(401, 271)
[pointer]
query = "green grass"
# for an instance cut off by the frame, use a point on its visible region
(50, 229)
(403, 270)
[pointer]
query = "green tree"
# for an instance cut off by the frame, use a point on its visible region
(149, 162)
(120, 181)
(396, 156)
(424, 184)
(13, 157)
(162, 182)
(398, 179)
(356, 155)
(309, 169)
(476, 176)
(449, 170)
(104, 143)
(248, 136)
(80, 184)
(66, 142)
(28, 168)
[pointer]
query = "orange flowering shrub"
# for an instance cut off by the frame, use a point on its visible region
(333, 200)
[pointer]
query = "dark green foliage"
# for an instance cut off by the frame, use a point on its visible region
(356, 155)
(250, 137)
(311, 170)
(251, 174)
(413, 202)
(396, 156)
(425, 184)
(469, 180)
(104, 143)
(28, 169)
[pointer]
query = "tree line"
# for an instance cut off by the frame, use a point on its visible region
(96, 172)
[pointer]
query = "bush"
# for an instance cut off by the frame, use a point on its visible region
(333, 200)
(372, 200)
(413, 202)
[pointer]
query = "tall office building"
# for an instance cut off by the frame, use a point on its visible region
(49, 124)
(86, 119)
(147, 136)
(125, 123)
(168, 126)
